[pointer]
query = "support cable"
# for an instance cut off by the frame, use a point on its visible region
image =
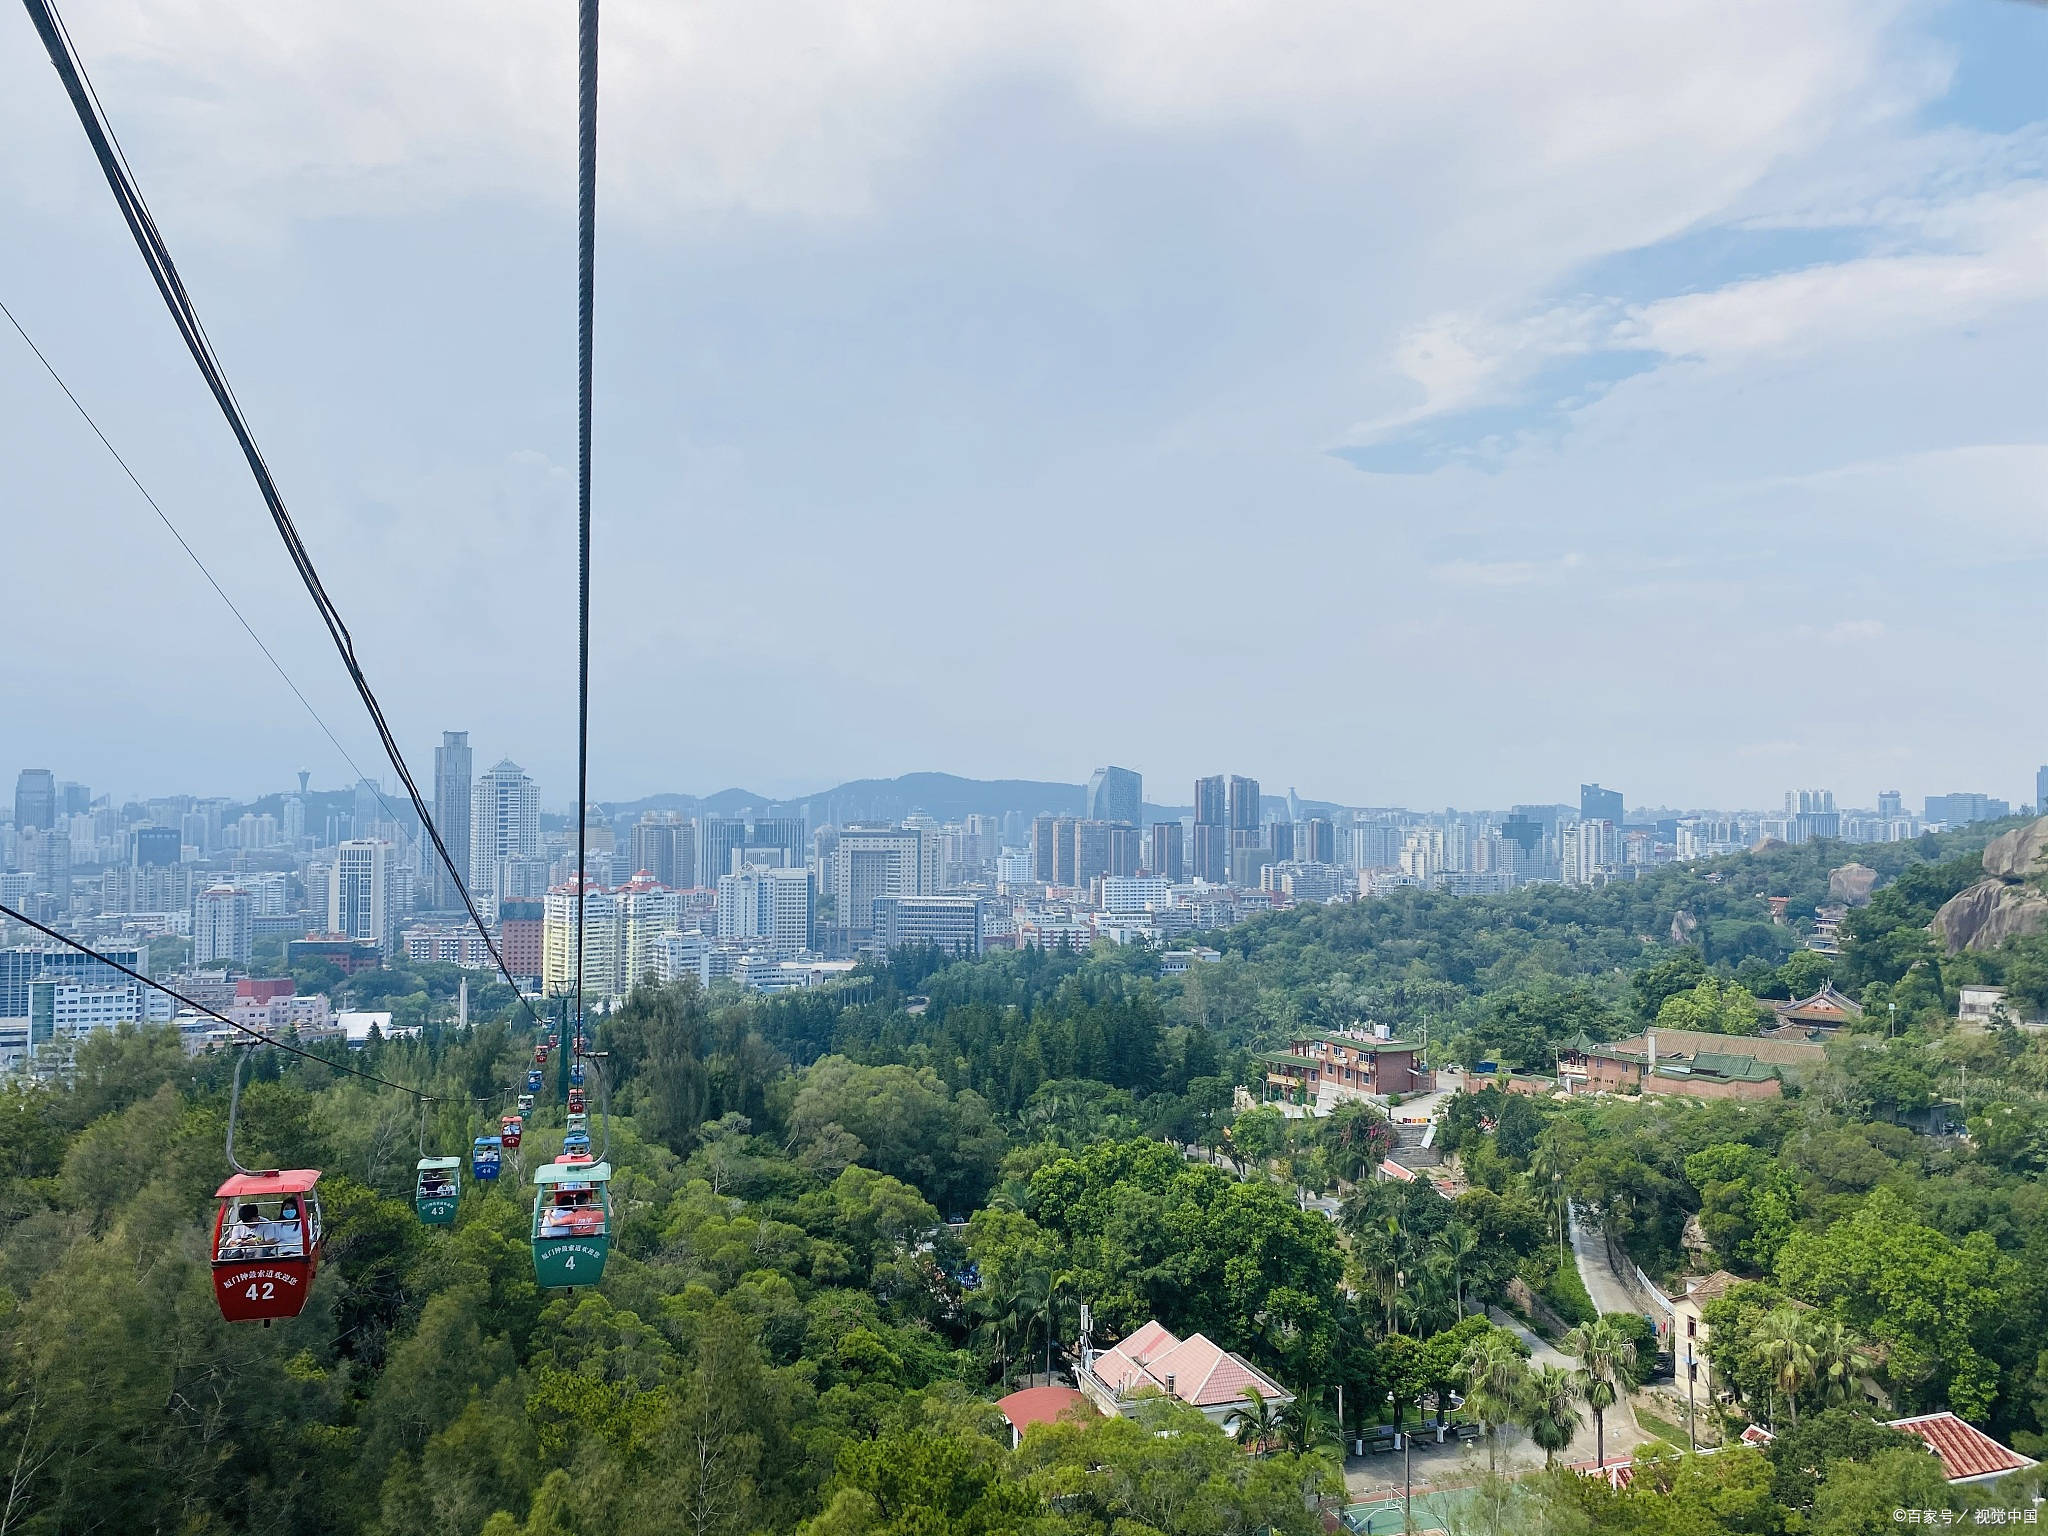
(185, 316)
(586, 294)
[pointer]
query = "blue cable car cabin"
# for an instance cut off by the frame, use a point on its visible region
(437, 1187)
(533, 1081)
(577, 1141)
(484, 1158)
(575, 1074)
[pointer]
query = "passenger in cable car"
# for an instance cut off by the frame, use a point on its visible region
(575, 1213)
(434, 1185)
(243, 1240)
(290, 1239)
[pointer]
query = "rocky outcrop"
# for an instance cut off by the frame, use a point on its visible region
(1684, 927)
(1852, 884)
(2021, 854)
(2009, 901)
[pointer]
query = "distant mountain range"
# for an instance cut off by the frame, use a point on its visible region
(946, 796)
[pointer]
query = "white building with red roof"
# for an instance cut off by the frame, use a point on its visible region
(1153, 1361)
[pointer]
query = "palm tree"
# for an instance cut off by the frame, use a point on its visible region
(1304, 1425)
(1553, 1418)
(1496, 1386)
(1547, 1172)
(1839, 1358)
(1255, 1422)
(1783, 1348)
(1457, 1243)
(1606, 1355)
(1003, 1315)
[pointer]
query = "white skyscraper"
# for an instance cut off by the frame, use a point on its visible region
(362, 891)
(770, 905)
(504, 823)
(221, 926)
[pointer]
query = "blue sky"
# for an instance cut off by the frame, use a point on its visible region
(1433, 405)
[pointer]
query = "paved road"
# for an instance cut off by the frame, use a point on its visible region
(1604, 1283)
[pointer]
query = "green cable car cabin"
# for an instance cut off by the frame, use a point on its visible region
(438, 1188)
(572, 1221)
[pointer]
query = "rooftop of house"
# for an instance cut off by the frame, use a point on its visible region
(1968, 1455)
(1042, 1405)
(1676, 1065)
(1690, 1042)
(1825, 1005)
(1194, 1369)
(1709, 1287)
(1356, 1042)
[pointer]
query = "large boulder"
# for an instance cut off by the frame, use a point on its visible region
(2021, 854)
(1989, 913)
(1852, 884)
(2011, 899)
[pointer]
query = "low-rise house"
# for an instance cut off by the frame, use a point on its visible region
(1041, 1405)
(1824, 1012)
(1200, 1373)
(1323, 1071)
(1689, 1062)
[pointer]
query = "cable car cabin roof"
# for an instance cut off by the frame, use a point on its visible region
(489, 1141)
(572, 1173)
(281, 1181)
(444, 1163)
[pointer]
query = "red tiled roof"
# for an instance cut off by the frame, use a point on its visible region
(1040, 1405)
(1201, 1372)
(1966, 1452)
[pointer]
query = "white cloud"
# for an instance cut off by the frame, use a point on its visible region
(1561, 118)
(1506, 573)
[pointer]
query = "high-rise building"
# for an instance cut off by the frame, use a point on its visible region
(718, 839)
(1209, 857)
(504, 824)
(1597, 804)
(785, 832)
(452, 791)
(35, 799)
(1115, 794)
(603, 970)
(362, 892)
(1066, 846)
(1891, 803)
(1166, 859)
(2041, 790)
(154, 846)
(872, 862)
(295, 826)
(1042, 859)
(1315, 841)
(654, 849)
(222, 926)
(1961, 809)
(774, 906)
(1244, 804)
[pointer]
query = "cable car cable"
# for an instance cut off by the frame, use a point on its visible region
(586, 297)
(162, 517)
(185, 316)
(197, 1007)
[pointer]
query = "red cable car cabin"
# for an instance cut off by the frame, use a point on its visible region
(266, 1244)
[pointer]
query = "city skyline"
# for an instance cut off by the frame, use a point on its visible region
(2032, 789)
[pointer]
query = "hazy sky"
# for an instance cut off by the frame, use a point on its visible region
(1435, 404)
